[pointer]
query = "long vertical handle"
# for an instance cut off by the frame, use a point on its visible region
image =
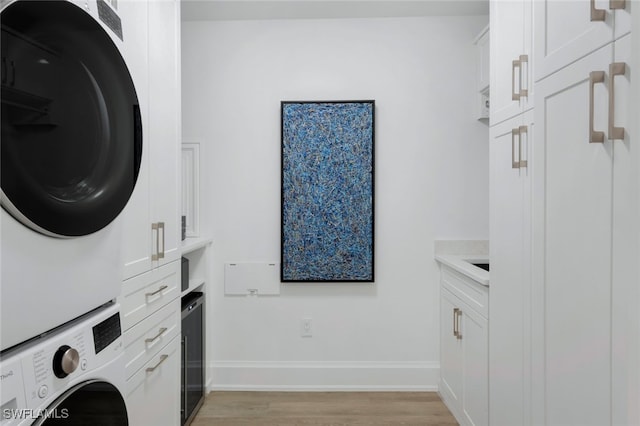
(515, 96)
(155, 256)
(455, 326)
(514, 164)
(594, 77)
(161, 227)
(522, 130)
(597, 14)
(524, 59)
(185, 381)
(616, 68)
(458, 326)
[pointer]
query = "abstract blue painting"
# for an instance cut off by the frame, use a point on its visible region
(327, 191)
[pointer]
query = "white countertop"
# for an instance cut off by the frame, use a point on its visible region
(460, 263)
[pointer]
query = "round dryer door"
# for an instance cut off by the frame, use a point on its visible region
(71, 126)
(92, 403)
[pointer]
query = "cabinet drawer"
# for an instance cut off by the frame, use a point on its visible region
(146, 293)
(145, 339)
(470, 292)
(153, 393)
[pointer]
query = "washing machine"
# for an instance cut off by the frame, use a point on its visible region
(72, 376)
(72, 129)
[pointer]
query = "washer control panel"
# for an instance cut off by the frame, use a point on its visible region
(39, 371)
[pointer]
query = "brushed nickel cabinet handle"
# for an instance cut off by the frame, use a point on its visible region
(455, 324)
(594, 77)
(154, 227)
(615, 69)
(157, 336)
(164, 287)
(524, 59)
(514, 164)
(522, 130)
(617, 4)
(458, 324)
(515, 96)
(162, 359)
(597, 14)
(161, 227)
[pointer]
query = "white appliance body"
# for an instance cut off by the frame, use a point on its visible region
(32, 390)
(45, 280)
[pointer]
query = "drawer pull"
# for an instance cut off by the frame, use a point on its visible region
(162, 359)
(459, 314)
(164, 287)
(157, 336)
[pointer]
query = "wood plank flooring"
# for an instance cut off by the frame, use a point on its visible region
(323, 408)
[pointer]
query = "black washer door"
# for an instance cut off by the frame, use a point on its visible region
(88, 404)
(71, 127)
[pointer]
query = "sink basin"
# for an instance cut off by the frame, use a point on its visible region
(484, 266)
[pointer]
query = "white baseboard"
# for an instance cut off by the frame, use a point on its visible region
(323, 376)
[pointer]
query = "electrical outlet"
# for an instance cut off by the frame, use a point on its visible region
(305, 327)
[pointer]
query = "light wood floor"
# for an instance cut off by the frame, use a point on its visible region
(323, 408)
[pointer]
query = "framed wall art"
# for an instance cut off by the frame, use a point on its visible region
(327, 191)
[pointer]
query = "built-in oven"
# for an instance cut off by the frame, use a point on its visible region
(193, 341)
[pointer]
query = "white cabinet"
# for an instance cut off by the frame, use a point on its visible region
(464, 337)
(511, 58)
(566, 31)
(153, 393)
(510, 299)
(151, 218)
(582, 221)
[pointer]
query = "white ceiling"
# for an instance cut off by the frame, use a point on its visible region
(224, 10)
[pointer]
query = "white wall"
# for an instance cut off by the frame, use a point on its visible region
(431, 183)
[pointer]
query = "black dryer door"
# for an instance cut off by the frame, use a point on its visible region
(71, 126)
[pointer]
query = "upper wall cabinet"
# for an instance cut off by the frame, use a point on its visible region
(569, 30)
(152, 231)
(511, 59)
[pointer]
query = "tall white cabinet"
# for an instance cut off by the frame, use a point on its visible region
(510, 301)
(150, 298)
(564, 217)
(583, 273)
(152, 217)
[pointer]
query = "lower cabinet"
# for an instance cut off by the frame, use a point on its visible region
(153, 392)
(464, 346)
(152, 333)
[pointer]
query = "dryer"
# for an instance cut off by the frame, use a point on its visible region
(72, 376)
(71, 153)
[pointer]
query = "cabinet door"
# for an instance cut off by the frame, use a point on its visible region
(474, 335)
(565, 32)
(510, 278)
(136, 246)
(164, 129)
(153, 393)
(450, 351)
(511, 40)
(624, 263)
(572, 249)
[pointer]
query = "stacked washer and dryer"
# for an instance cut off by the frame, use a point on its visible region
(71, 152)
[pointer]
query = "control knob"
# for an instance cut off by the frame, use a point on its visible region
(65, 361)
